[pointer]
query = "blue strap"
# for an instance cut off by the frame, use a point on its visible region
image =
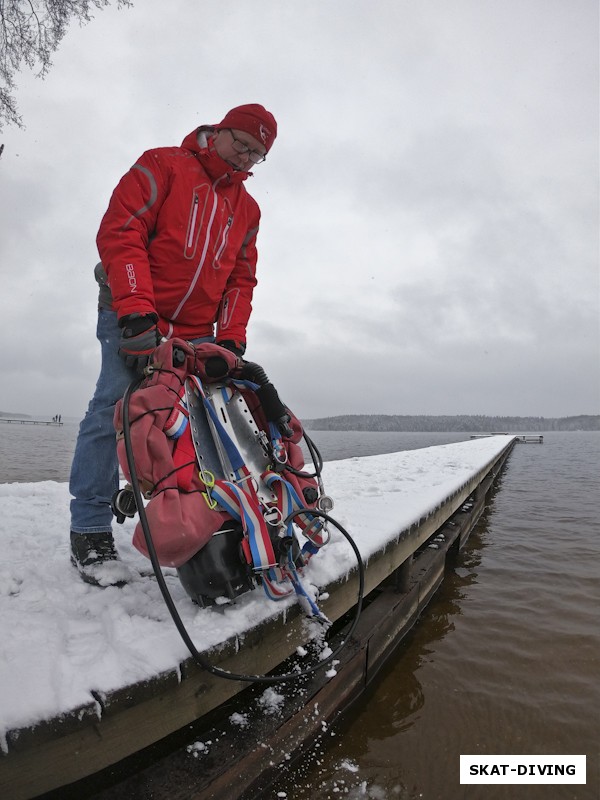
(233, 454)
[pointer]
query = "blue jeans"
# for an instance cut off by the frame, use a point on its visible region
(95, 468)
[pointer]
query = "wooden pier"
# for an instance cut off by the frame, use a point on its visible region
(138, 746)
(18, 421)
(524, 438)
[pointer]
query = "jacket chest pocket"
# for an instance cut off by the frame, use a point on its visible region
(209, 221)
(202, 208)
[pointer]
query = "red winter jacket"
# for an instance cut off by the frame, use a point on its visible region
(179, 239)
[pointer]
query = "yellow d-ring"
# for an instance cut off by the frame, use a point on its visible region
(210, 482)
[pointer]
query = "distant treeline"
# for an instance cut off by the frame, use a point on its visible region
(14, 416)
(463, 423)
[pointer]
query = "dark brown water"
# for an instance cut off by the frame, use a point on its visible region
(505, 660)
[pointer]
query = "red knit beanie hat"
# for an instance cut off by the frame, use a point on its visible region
(253, 119)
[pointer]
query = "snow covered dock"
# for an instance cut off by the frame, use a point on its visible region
(90, 676)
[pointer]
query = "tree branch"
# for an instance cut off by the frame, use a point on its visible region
(30, 32)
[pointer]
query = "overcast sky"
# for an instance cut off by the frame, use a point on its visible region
(429, 239)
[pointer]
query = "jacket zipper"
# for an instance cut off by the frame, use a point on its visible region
(223, 242)
(193, 222)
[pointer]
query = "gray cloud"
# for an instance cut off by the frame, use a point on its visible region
(429, 240)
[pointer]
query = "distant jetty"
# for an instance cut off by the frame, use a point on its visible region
(23, 421)
(525, 439)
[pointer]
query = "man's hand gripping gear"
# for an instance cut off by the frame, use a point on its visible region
(139, 338)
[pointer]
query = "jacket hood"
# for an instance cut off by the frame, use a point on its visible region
(198, 142)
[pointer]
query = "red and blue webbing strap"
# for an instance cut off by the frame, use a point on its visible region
(259, 549)
(245, 509)
(276, 590)
(177, 420)
(289, 501)
(279, 451)
(244, 505)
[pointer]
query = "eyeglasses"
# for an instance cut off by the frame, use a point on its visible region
(254, 155)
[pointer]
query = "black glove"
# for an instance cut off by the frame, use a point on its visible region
(139, 338)
(238, 348)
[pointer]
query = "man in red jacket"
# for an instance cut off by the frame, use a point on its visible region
(178, 258)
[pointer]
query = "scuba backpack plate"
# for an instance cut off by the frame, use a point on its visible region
(219, 570)
(225, 434)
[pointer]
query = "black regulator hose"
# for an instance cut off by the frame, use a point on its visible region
(200, 659)
(274, 410)
(316, 457)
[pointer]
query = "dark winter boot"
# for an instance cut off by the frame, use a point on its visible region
(98, 562)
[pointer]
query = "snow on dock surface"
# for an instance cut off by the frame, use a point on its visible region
(62, 638)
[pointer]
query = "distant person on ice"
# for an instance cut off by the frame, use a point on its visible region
(178, 258)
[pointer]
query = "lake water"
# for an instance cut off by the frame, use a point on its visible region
(505, 659)
(44, 453)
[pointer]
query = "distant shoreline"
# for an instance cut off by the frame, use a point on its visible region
(420, 423)
(452, 424)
